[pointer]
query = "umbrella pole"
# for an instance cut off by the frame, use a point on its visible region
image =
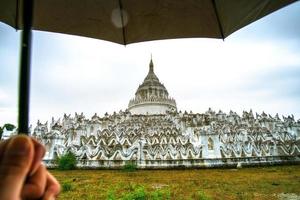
(24, 80)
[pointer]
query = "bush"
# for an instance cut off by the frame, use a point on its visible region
(67, 161)
(130, 166)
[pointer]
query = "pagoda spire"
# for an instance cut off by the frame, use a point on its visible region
(151, 66)
(151, 75)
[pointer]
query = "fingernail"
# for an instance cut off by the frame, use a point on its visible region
(18, 146)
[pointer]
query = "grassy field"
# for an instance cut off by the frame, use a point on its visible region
(280, 182)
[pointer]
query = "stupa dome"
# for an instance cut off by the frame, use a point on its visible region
(151, 96)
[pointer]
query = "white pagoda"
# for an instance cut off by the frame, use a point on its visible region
(153, 134)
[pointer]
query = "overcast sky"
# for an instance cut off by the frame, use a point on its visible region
(257, 67)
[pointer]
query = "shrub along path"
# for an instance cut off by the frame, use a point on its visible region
(280, 182)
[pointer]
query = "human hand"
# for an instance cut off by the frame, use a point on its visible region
(22, 175)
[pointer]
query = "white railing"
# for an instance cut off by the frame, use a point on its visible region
(136, 101)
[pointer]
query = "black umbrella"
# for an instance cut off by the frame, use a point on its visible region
(125, 22)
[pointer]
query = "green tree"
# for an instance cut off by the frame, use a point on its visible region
(9, 127)
(1, 131)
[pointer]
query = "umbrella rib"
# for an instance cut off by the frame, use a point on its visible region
(24, 81)
(218, 19)
(122, 20)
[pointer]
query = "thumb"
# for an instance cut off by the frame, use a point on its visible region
(14, 167)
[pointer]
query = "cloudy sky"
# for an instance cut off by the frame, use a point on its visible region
(257, 67)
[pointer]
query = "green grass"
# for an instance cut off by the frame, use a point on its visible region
(66, 186)
(200, 184)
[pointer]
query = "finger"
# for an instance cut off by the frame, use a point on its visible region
(39, 152)
(52, 188)
(3, 145)
(15, 165)
(35, 185)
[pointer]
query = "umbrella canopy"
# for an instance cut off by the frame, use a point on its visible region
(125, 22)
(130, 21)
